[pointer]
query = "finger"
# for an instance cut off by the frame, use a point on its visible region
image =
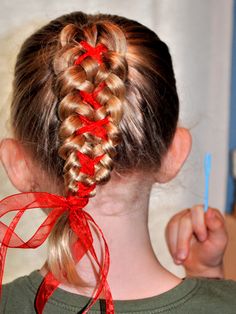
(171, 232)
(185, 233)
(216, 226)
(214, 219)
(171, 236)
(198, 222)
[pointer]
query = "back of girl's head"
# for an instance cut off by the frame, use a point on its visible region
(140, 95)
(133, 82)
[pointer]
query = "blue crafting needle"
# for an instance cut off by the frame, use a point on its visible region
(207, 170)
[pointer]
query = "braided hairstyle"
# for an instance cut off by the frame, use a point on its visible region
(92, 89)
(90, 80)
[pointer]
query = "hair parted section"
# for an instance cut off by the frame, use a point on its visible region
(91, 91)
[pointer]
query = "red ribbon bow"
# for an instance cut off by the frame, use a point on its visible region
(80, 222)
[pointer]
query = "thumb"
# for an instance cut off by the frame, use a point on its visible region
(216, 226)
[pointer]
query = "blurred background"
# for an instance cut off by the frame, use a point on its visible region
(201, 38)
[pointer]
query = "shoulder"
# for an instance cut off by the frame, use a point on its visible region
(215, 286)
(214, 296)
(18, 296)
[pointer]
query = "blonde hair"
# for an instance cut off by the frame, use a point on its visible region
(139, 96)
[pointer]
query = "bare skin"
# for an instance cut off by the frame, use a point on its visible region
(120, 208)
(135, 271)
(198, 240)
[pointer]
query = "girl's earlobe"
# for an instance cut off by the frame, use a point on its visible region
(16, 163)
(176, 155)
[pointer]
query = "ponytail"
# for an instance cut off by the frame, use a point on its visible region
(90, 69)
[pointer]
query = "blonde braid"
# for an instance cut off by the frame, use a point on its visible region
(86, 77)
(105, 81)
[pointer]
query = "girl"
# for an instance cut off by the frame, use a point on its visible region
(94, 93)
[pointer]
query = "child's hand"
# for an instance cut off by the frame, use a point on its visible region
(197, 240)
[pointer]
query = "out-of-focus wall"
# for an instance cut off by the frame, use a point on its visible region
(199, 36)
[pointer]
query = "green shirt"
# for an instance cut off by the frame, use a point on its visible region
(192, 295)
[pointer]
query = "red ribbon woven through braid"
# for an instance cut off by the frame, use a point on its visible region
(93, 52)
(80, 220)
(94, 127)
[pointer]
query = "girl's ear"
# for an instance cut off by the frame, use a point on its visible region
(175, 156)
(17, 163)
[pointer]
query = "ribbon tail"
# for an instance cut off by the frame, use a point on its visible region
(80, 225)
(46, 289)
(6, 240)
(37, 239)
(27, 201)
(103, 284)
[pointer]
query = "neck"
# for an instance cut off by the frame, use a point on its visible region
(122, 214)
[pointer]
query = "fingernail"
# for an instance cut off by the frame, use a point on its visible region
(178, 262)
(202, 237)
(181, 255)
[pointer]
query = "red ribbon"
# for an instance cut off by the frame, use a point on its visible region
(94, 127)
(94, 52)
(80, 222)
